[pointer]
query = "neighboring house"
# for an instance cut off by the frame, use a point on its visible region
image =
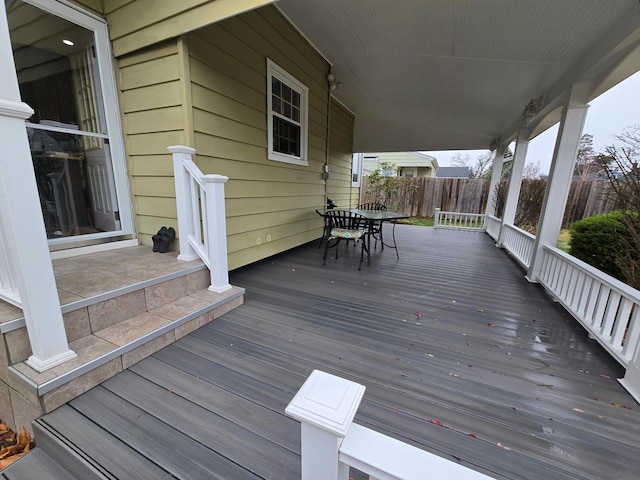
(407, 164)
(453, 172)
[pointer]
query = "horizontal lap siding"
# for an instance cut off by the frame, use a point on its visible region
(340, 157)
(151, 103)
(135, 24)
(269, 205)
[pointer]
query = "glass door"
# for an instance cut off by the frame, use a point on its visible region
(71, 133)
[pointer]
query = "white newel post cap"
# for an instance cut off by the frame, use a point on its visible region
(181, 149)
(327, 402)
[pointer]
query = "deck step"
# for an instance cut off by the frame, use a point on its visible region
(37, 464)
(90, 452)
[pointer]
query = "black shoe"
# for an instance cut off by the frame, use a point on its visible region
(157, 237)
(166, 239)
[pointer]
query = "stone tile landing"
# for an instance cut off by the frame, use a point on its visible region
(119, 307)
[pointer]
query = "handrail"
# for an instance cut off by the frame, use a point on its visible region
(200, 205)
(519, 244)
(492, 226)
(331, 443)
(459, 220)
(606, 307)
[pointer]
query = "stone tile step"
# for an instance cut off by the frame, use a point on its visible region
(110, 350)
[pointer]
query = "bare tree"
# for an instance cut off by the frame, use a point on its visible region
(531, 170)
(483, 165)
(586, 160)
(460, 160)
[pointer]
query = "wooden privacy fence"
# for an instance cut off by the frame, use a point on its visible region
(419, 197)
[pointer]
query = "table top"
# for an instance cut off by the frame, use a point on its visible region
(381, 215)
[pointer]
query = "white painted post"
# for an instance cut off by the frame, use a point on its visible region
(436, 218)
(216, 234)
(631, 380)
(325, 405)
(515, 182)
(22, 225)
(496, 176)
(560, 176)
(185, 215)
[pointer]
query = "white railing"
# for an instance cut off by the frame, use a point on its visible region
(492, 226)
(606, 307)
(459, 220)
(202, 230)
(326, 405)
(519, 244)
(8, 286)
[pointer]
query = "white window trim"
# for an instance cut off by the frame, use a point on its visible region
(273, 70)
(356, 167)
(97, 25)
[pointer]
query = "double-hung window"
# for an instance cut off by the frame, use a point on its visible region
(287, 110)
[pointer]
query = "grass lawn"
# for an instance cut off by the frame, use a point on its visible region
(420, 221)
(564, 240)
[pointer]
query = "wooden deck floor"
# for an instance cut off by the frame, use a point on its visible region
(460, 355)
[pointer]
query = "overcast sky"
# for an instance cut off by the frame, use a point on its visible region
(608, 115)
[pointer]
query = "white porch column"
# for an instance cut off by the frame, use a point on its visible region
(496, 175)
(22, 225)
(515, 182)
(560, 175)
(325, 405)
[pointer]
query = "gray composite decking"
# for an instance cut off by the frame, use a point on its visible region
(460, 356)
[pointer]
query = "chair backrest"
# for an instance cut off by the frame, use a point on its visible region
(344, 219)
(372, 206)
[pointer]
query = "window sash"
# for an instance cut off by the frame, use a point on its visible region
(287, 116)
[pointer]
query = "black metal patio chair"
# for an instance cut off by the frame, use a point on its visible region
(345, 225)
(374, 227)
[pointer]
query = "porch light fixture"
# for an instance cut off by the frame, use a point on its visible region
(532, 109)
(68, 42)
(333, 83)
(494, 144)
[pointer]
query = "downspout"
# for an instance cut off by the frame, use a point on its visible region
(325, 171)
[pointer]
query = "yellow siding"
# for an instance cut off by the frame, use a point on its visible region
(270, 205)
(340, 153)
(140, 23)
(152, 109)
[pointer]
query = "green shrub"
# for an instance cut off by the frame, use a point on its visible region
(600, 242)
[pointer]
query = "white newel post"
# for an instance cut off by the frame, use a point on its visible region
(185, 215)
(22, 225)
(216, 222)
(515, 182)
(325, 405)
(631, 380)
(436, 217)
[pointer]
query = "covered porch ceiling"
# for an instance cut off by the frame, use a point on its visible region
(454, 74)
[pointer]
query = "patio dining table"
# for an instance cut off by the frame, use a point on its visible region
(371, 216)
(374, 216)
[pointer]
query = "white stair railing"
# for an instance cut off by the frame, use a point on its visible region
(459, 220)
(326, 405)
(202, 230)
